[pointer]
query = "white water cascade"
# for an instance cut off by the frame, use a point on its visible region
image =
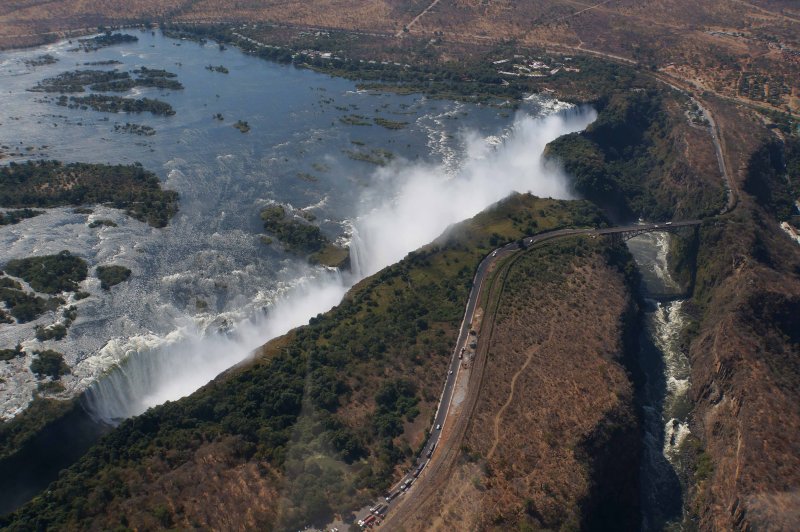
(409, 205)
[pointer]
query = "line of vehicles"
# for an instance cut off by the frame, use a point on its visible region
(378, 512)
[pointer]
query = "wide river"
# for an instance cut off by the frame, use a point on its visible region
(207, 289)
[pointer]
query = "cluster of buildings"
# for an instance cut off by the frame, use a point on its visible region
(520, 66)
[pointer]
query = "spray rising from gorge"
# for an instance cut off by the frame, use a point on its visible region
(409, 205)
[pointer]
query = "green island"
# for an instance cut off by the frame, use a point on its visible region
(106, 62)
(16, 216)
(49, 363)
(135, 129)
(147, 77)
(42, 60)
(53, 332)
(112, 275)
(376, 156)
(50, 274)
(53, 184)
(78, 80)
(23, 306)
(324, 408)
(220, 68)
(300, 236)
(242, 126)
(154, 73)
(117, 104)
(10, 354)
(355, 120)
(389, 124)
(108, 80)
(102, 223)
(102, 41)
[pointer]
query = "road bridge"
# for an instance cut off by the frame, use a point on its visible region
(406, 494)
(626, 233)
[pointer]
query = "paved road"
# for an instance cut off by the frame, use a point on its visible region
(396, 494)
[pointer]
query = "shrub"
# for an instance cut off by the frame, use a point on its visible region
(112, 275)
(50, 274)
(49, 363)
(54, 332)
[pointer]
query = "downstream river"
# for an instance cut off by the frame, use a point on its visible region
(666, 369)
(207, 289)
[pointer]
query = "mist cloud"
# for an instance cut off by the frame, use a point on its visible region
(409, 205)
(425, 200)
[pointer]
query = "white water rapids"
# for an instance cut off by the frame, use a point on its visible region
(664, 395)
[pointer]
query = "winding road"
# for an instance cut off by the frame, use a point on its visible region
(449, 424)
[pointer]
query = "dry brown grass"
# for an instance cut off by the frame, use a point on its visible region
(552, 377)
(748, 411)
(196, 492)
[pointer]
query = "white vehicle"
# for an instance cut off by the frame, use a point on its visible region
(439, 427)
(494, 253)
(668, 223)
(451, 372)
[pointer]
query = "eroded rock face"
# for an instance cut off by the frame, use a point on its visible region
(748, 408)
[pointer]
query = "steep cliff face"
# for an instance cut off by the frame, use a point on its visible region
(554, 441)
(642, 158)
(747, 370)
(746, 354)
(746, 388)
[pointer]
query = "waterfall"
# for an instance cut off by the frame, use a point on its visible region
(190, 357)
(410, 205)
